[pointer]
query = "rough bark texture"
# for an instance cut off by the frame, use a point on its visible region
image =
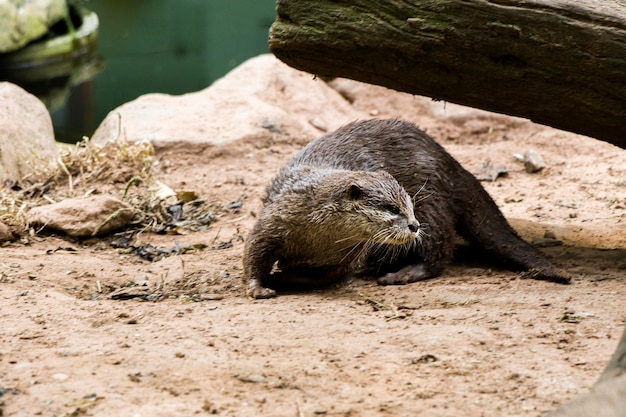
(561, 63)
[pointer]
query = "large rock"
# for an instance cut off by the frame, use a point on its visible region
(261, 94)
(25, 20)
(25, 132)
(83, 217)
(265, 94)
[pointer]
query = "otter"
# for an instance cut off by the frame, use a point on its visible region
(375, 197)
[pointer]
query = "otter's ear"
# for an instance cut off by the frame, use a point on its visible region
(354, 192)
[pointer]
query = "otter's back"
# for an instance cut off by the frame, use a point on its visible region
(395, 146)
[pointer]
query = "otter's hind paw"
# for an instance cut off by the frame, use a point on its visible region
(260, 293)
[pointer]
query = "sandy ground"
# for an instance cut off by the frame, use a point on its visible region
(477, 341)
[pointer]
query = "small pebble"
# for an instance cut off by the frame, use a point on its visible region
(253, 378)
(318, 124)
(270, 124)
(533, 162)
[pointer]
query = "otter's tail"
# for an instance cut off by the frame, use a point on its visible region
(484, 225)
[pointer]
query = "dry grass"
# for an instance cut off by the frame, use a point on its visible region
(118, 168)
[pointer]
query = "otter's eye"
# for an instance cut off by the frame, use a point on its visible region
(392, 208)
(354, 192)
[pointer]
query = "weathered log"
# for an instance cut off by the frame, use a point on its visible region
(561, 63)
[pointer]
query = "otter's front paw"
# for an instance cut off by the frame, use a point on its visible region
(260, 293)
(406, 275)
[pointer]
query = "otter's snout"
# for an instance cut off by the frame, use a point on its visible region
(414, 226)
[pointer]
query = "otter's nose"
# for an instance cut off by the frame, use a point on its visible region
(414, 226)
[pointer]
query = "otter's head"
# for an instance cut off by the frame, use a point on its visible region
(365, 207)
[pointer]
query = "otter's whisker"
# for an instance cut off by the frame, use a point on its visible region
(423, 232)
(373, 244)
(363, 254)
(381, 250)
(346, 238)
(420, 190)
(422, 198)
(418, 238)
(351, 250)
(378, 235)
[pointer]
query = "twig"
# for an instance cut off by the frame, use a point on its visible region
(67, 171)
(217, 235)
(130, 182)
(48, 199)
(238, 219)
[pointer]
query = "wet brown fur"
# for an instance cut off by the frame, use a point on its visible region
(324, 206)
